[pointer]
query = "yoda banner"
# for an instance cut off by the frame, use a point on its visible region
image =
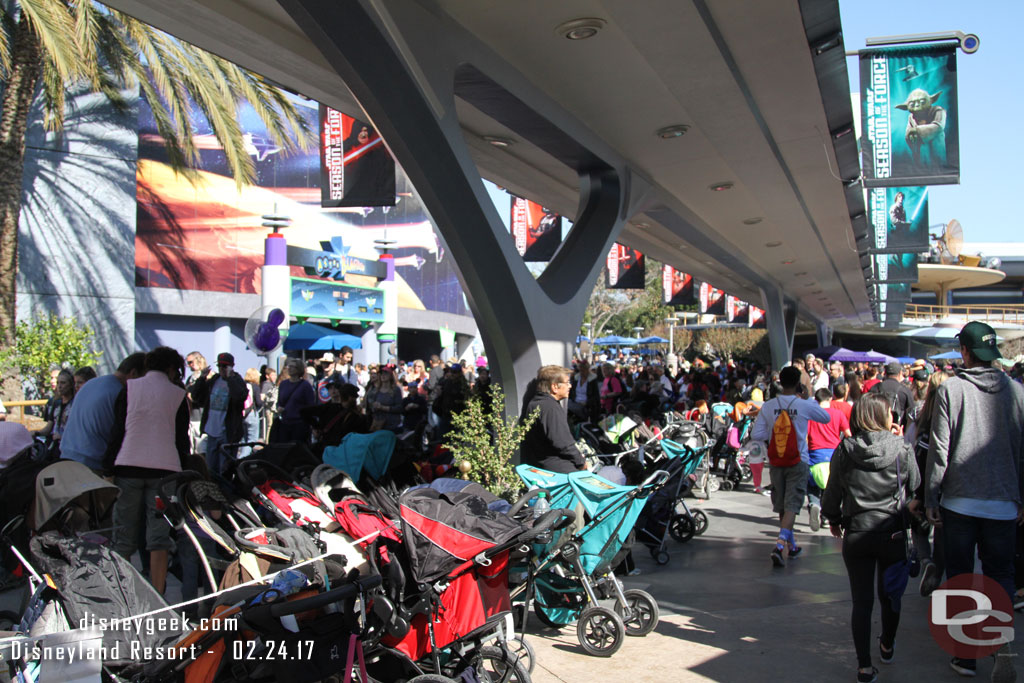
(909, 116)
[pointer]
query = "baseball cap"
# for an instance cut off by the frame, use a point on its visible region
(921, 375)
(327, 357)
(225, 359)
(980, 339)
(893, 367)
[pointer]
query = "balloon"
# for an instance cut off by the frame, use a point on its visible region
(267, 337)
(276, 317)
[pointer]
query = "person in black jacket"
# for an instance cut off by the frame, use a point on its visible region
(549, 443)
(222, 395)
(871, 476)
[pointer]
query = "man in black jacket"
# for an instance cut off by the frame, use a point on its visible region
(222, 395)
(901, 401)
(549, 443)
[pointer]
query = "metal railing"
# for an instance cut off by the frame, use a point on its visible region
(1007, 313)
(16, 413)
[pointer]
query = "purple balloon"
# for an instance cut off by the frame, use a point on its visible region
(275, 317)
(267, 337)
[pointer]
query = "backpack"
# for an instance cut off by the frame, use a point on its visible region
(783, 449)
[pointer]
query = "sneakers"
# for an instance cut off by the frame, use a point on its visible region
(867, 676)
(1002, 670)
(757, 489)
(795, 551)
(814, 512)
(930, 578)
(964, 667)
(635, 572)
(777, 557)
(886, 656)
(766, 492)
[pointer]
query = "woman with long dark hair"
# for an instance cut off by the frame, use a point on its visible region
(872, 475)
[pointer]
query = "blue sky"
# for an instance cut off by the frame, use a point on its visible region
(991, 99)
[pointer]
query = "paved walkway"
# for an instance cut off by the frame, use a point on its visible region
(727, 615)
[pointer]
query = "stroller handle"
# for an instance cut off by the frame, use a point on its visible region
(285, 608)
(523, 500)
(657, 478)
(553, 520)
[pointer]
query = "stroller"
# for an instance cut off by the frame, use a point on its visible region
(661, 518)
(573, 572)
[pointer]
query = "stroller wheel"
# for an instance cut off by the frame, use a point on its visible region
(700, 522)
(746, 476)
(681, 527)
(662, 557)
(727, 485)
(519, 647)
(643, 612)
(714, 483)
(600, 631)
(497, 664)
(431, 678)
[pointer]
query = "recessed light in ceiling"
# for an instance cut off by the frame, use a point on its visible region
(642, 226)
(772, 245)
(498, 141)
(580, 29)
(710, 263)
(672, 132)
(787, 262)
(752, 221)
(720, 187)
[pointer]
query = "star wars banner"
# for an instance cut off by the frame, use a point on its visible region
(624, 268)
(894, 292)
(899, 216)
(712, 301)
(909, 116)
(895, 268)
(757, 318)
(736, 311)
(677, 287)
(536, 230)
(356, 168)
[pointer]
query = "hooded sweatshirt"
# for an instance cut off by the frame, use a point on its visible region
(977, 438)
(862, 490)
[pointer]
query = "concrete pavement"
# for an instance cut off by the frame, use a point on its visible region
(728, 615)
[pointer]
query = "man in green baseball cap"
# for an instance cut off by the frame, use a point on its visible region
(980, 339)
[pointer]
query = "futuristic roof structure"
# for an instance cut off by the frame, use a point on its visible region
(761, 86)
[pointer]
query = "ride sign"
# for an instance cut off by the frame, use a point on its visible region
(971, 616)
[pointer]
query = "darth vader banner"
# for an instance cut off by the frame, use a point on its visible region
(899, 218)
(712, 300)
(356, 168)
(624, 268)
(909, 116)
(677, 287)
(536, 230)
(736, 311)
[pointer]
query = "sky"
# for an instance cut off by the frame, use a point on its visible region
(991, 100)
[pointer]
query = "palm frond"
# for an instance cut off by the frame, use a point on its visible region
(286, 128)
(54, 26)
(54, 91)
(87, 28)
(7, 25)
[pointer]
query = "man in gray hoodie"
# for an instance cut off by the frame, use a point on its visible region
(973, 475)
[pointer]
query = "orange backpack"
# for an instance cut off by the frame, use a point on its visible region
(783, 449)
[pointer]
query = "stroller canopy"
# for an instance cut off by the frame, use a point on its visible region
(66, 483)
(357, 452)
(443, 531)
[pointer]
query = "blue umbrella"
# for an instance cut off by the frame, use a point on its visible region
(310, 337)
(652, 340)
(614, 340)
(948, 355)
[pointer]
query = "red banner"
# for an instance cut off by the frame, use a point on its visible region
(711, 300)
(757, 318)
(677, 287)
(356, 168)
(536, 230)
(624, 268)
(736, 311)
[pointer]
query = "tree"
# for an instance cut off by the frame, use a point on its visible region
(618, 311)
(482, 444)
(46, 342)
(48, 45)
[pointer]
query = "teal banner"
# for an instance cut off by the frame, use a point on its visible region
(909, 133)
(899, 217)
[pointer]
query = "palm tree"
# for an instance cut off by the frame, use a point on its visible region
(47, 45)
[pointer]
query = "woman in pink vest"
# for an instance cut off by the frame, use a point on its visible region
(149, 441)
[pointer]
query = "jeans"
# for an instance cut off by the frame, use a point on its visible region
(214, 455)
(867, 554)
(994, 539)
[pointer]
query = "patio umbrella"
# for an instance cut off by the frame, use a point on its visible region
(310, 337)
(614, 340)
(861, 357)
(948, 355)
(939, 334)
(826, 351)
(652, 340)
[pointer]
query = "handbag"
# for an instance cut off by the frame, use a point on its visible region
(898, 574)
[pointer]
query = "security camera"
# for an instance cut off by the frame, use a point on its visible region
(970, 43)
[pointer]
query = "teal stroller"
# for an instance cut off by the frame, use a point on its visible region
(571, 577)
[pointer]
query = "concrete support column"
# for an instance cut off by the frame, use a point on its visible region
(405, 68)
(781, 322)
(824, 334)
(221, 337)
